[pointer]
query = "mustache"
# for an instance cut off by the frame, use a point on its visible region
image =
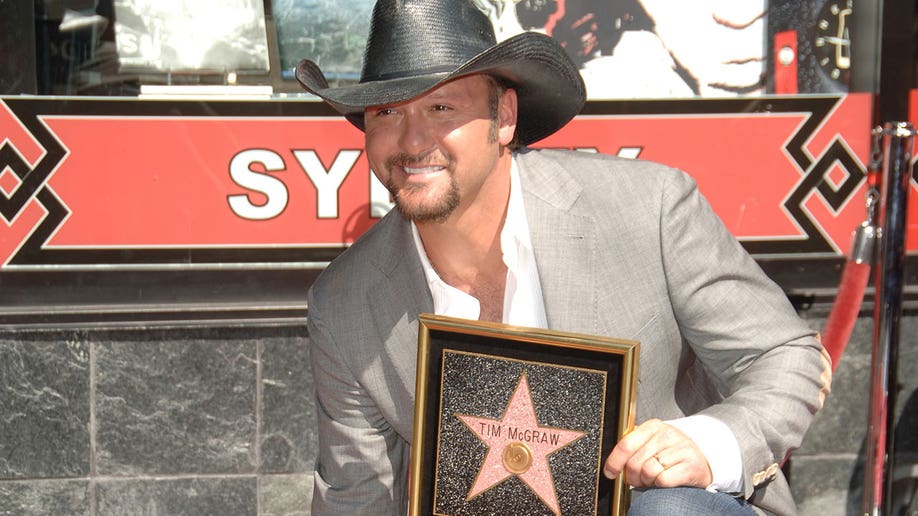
(404, 159)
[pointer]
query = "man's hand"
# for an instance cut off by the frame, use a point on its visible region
(655, 454)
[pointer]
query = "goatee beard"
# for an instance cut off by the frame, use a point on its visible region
(436, 213)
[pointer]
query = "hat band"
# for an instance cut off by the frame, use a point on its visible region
(401, 74)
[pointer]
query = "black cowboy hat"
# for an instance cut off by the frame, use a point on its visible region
(417, 45)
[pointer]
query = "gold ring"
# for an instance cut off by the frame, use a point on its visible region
(663, 464)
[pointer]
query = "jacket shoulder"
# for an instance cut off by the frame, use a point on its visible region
(372, 252)
(559, 174)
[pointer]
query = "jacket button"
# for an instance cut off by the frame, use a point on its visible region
(772, 471)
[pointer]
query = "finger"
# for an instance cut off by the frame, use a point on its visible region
(665, 449)
(682, 466)
(681, 474)
(673, 476)
(625, 450)
(645, 464)
(667, 468)
(648, 472)
(673, 462)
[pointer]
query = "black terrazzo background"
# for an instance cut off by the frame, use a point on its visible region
(482, 386)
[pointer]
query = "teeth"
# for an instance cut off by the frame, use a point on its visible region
(421, 170)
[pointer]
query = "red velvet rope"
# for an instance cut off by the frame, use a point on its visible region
(845, 309)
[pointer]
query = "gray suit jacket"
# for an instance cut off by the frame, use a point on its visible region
(624, 248)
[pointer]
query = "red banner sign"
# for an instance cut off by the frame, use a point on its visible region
(135, 182)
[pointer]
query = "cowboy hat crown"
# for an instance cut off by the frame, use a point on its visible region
(416, 45)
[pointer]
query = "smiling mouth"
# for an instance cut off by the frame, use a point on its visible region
(422, 170)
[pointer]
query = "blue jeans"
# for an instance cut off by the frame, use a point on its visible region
(684, 501)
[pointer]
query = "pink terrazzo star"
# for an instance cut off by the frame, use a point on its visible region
(519, 425)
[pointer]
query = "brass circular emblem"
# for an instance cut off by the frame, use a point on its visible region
(517, 458)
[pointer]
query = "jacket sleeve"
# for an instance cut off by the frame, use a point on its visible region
(765, 361)
(362, 462)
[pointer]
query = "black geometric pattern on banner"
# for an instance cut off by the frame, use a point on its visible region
(28, 110)
(836, 196)
(31, 253)
(10, 158)
(31, 179)
(817, 179)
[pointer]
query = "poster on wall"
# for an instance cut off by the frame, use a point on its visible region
(627, 48)
(650, 48)
(191, 35)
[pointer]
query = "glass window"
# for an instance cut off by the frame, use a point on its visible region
(625, 48)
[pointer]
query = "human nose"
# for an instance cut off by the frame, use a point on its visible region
(415, 135)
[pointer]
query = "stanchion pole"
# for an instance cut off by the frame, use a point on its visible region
(898, 140)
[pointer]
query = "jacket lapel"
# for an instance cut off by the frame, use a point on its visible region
(563, 241)
(398, 294)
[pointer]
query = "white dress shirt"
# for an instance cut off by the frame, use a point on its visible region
(523, 304)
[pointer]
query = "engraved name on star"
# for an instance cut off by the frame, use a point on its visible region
(518, 445)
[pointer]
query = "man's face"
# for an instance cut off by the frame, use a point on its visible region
(720, 42)
(435, 153)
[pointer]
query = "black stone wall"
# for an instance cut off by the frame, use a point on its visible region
(189, 421)
(220, 420)
(827, 473)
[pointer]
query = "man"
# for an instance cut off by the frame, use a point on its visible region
(729, 377)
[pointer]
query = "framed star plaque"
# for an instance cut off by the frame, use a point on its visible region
(513, 420)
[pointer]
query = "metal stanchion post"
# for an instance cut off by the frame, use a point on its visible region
(898, 141)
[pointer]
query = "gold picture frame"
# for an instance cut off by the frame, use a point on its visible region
(515, 420)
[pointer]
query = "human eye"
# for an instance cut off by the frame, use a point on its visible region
(380, 112)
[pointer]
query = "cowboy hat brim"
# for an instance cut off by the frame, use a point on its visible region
(549, 88)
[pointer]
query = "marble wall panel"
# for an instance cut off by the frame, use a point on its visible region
(175, 403)
(178, 497)
(285, 495)
(827, 485)
(44, 407)
(288, 438)
(906, 440)
(840, 427)
(52, 497)
(827, 472)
